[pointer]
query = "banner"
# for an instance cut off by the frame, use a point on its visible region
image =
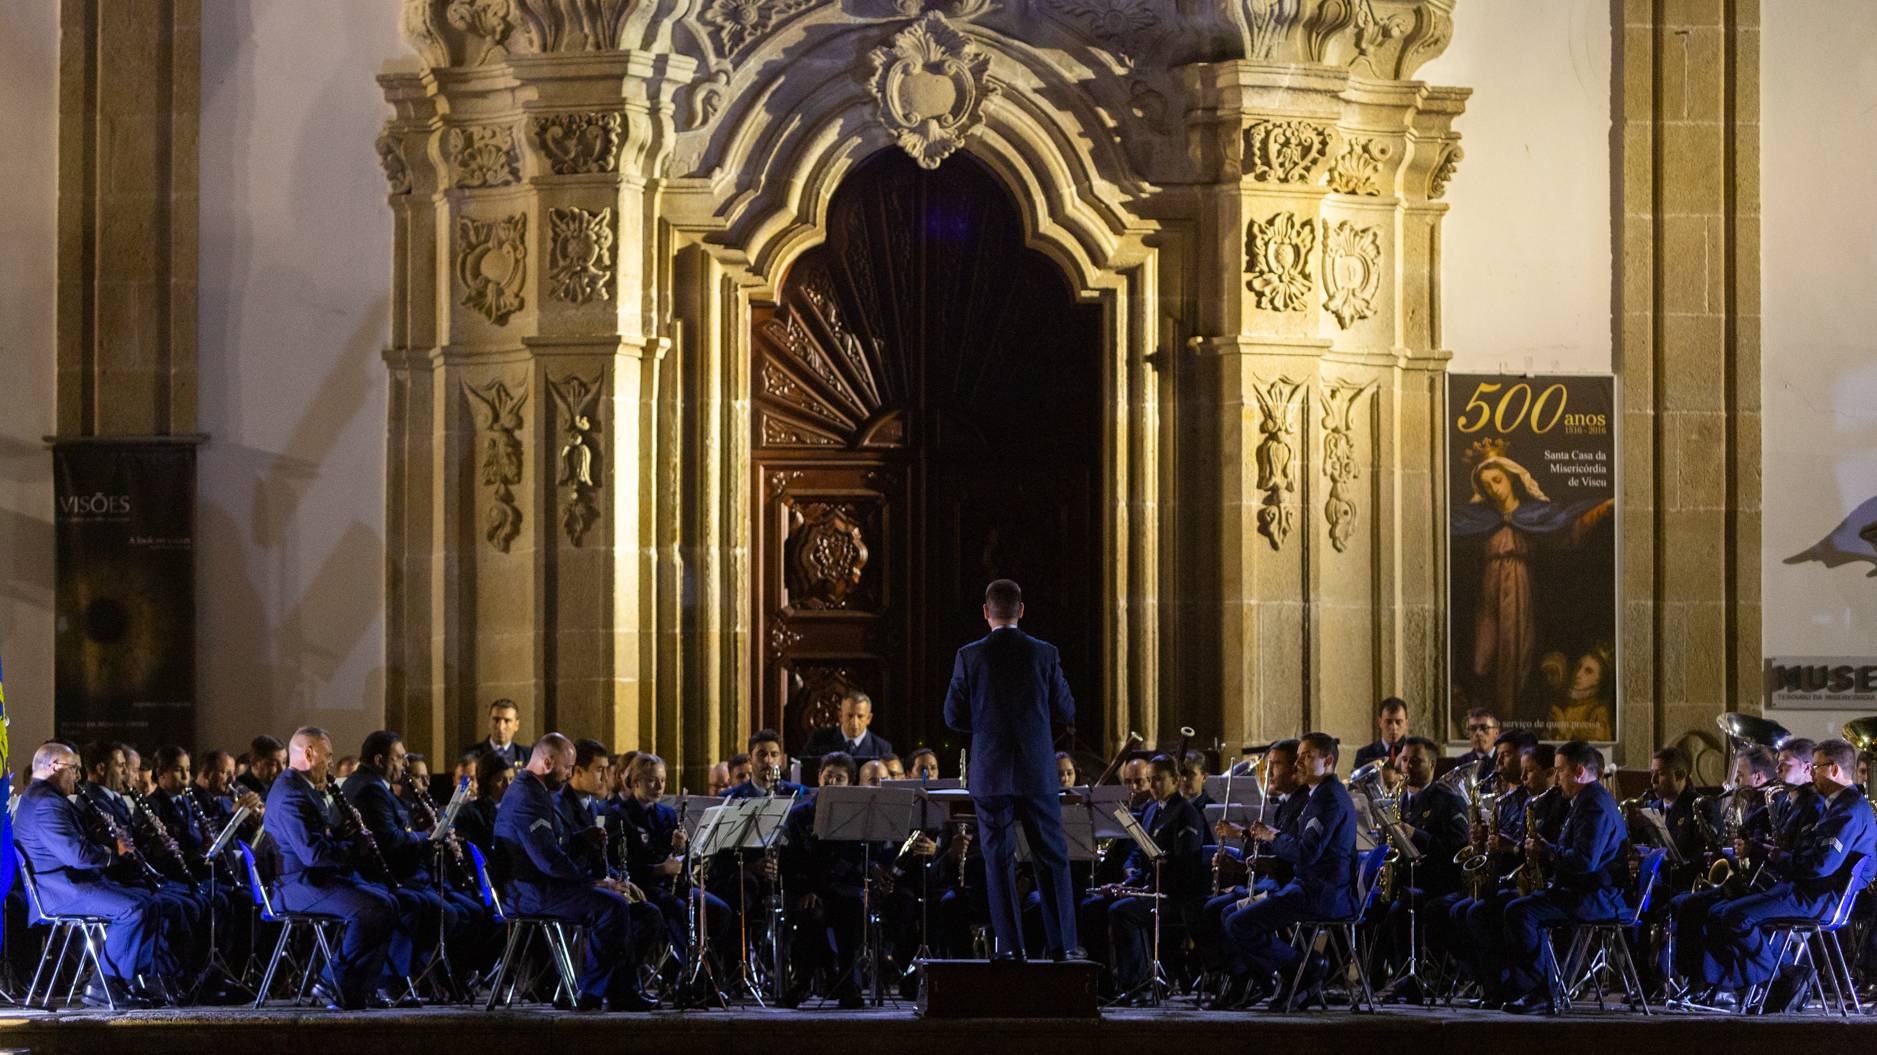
(124, 632)
(1531, 568)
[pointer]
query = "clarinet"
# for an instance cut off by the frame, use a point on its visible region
(367, 840)
(208, 831)
(160, 834)
(429, 806)
(109, 832)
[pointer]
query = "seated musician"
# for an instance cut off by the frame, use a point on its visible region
(872, 772)
(825, 883)
(1118, 911)
(1067, 776)
(579, 802)
(766, 765)
(1478, 919)
(319, 873)
(1443, 921)
(476, 821)
(1482, 736)
(1827, 831)
(1321, 852)
(531, 842)
(1239, 873)
(111, 786)
(76, 872)
(267, 759)
(1692, 823)
(850, 734)
(1193, 781)
(1588, 873)
(451, 900)
(1794, 762)
(1433, 815)
(922, 764)
(895, 767)
(654, 853)
(1754, 768)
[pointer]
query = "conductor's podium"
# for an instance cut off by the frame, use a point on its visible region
(1006, 989)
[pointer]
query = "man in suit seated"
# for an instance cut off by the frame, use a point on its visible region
(1322, 856)
(77, 875)
(319, 873)
(1391, 721)
(1434, 816)
(1588, 869)
(544, 880)
(267, 759)
(504, 723)
(851, 734)
(1177, 828)
(583, 811)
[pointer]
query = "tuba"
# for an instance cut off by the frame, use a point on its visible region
(1861, 733)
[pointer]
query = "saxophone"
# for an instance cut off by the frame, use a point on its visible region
(1475, 860)
(1530, 874)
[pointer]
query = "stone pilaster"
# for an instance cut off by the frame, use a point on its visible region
(1688, 354)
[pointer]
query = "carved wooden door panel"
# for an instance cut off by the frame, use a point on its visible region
(927, 417)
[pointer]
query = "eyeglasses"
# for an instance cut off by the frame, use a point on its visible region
(1477, 728)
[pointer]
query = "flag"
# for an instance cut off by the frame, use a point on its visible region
(7, 857)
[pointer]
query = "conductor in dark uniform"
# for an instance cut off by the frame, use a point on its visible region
(1007, 691)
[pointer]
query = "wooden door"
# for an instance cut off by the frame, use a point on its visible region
(927, 417)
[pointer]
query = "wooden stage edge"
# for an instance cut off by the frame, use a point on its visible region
(286, 1032)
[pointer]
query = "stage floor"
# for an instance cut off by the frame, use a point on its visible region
(760, 1032)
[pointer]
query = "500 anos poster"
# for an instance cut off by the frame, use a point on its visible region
(1531, 568)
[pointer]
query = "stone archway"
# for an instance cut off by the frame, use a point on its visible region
(589, 210)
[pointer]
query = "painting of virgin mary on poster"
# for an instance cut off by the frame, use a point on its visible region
(1531, 568)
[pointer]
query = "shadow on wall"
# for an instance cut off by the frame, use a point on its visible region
(1854, 539)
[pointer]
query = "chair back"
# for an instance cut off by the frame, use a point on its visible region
(256, 888)
(1863, 870)
(35, 912)
(490, 896)
(1647, 873)
(1369, 867)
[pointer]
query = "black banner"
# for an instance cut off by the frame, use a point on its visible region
(124, 520)
(1531, 568)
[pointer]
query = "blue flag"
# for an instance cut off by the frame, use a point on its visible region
(7, 857)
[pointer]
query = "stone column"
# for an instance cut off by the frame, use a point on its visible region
(1688, 354)
(1321, 167)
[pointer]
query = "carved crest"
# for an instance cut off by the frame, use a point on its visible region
(483, 155)
(1341, 467)
(1278, 252)
(734, 25)
(1277, 456)
(1284, 151)
(492, 264)
(827, 554)
(579, 142)
(580, 256)
(1352, 271)
(931, 86)
(1358, 169)
(579, 402)
(1125, 27)
(501, 458)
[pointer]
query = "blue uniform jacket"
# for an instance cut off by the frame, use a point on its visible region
(1821, 859)
(301, 821)
(1007, 692)
(389, 821)
(531, 842)
(51, 837)
(1321, 851)
(577, 814)
(1179, 830)
(1589, 867)
(647, 831)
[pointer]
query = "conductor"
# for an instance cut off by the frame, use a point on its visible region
(1007, 691)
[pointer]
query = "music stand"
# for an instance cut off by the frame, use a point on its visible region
(1658, 836)
(866, 816)
(1411, 855)
(765, 832)
(718, 830)
(439, 881)
(218, 846)
(1078, 834)
(1156, 981)
(692, 808)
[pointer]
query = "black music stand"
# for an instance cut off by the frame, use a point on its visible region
(866, 816)
(1155, 983)
(217, 963)
(439, 882)
(720, 829)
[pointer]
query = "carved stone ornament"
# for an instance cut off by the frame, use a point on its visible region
(1277, 456)
(734, 25)
(707, 98)
(579, 402)
(1125, 27)
(1352, 271)
(580, 255)
(1278, 252)
(1284, 151)
(579, 142)
(1443, 171)
(492, 265)
(501, 458)
(1358, 169)
(827, 554)
(930, 85)
(489, 21)
(1374, 31)
(1341, 467)
(483, 155)
(391, 156)
(1266, 23)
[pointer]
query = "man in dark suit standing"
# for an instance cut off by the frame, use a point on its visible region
(504, 723)
(851, 736)
(1007, 691)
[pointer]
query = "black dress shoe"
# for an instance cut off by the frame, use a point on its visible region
(118, 995)
(1534, 1002)
(631, 1000)
(1075, 955)
(851, 1002)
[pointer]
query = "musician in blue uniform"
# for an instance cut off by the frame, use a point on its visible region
(531, 842)
(476, 821)
(1008, 694)
(1179, 831)
(110, 787)
(1811, 876)
(826, 882)
(655, 842)
(1479, 921)
(1588, 869)
(76, 874)
(583, 809)
(1756, 799)
(1241, 872)
(412, 857)
(1322, 856)
(743, 888)
(319, 872)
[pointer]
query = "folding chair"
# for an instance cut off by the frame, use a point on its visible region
(66, 926)
(1797, 934)
(1594, 944)
(322, 926)
(1345, 928)
(560, 937)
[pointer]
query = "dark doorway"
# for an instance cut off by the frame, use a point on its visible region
(927, 417)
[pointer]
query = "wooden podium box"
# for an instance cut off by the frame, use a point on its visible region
(1001, 989)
